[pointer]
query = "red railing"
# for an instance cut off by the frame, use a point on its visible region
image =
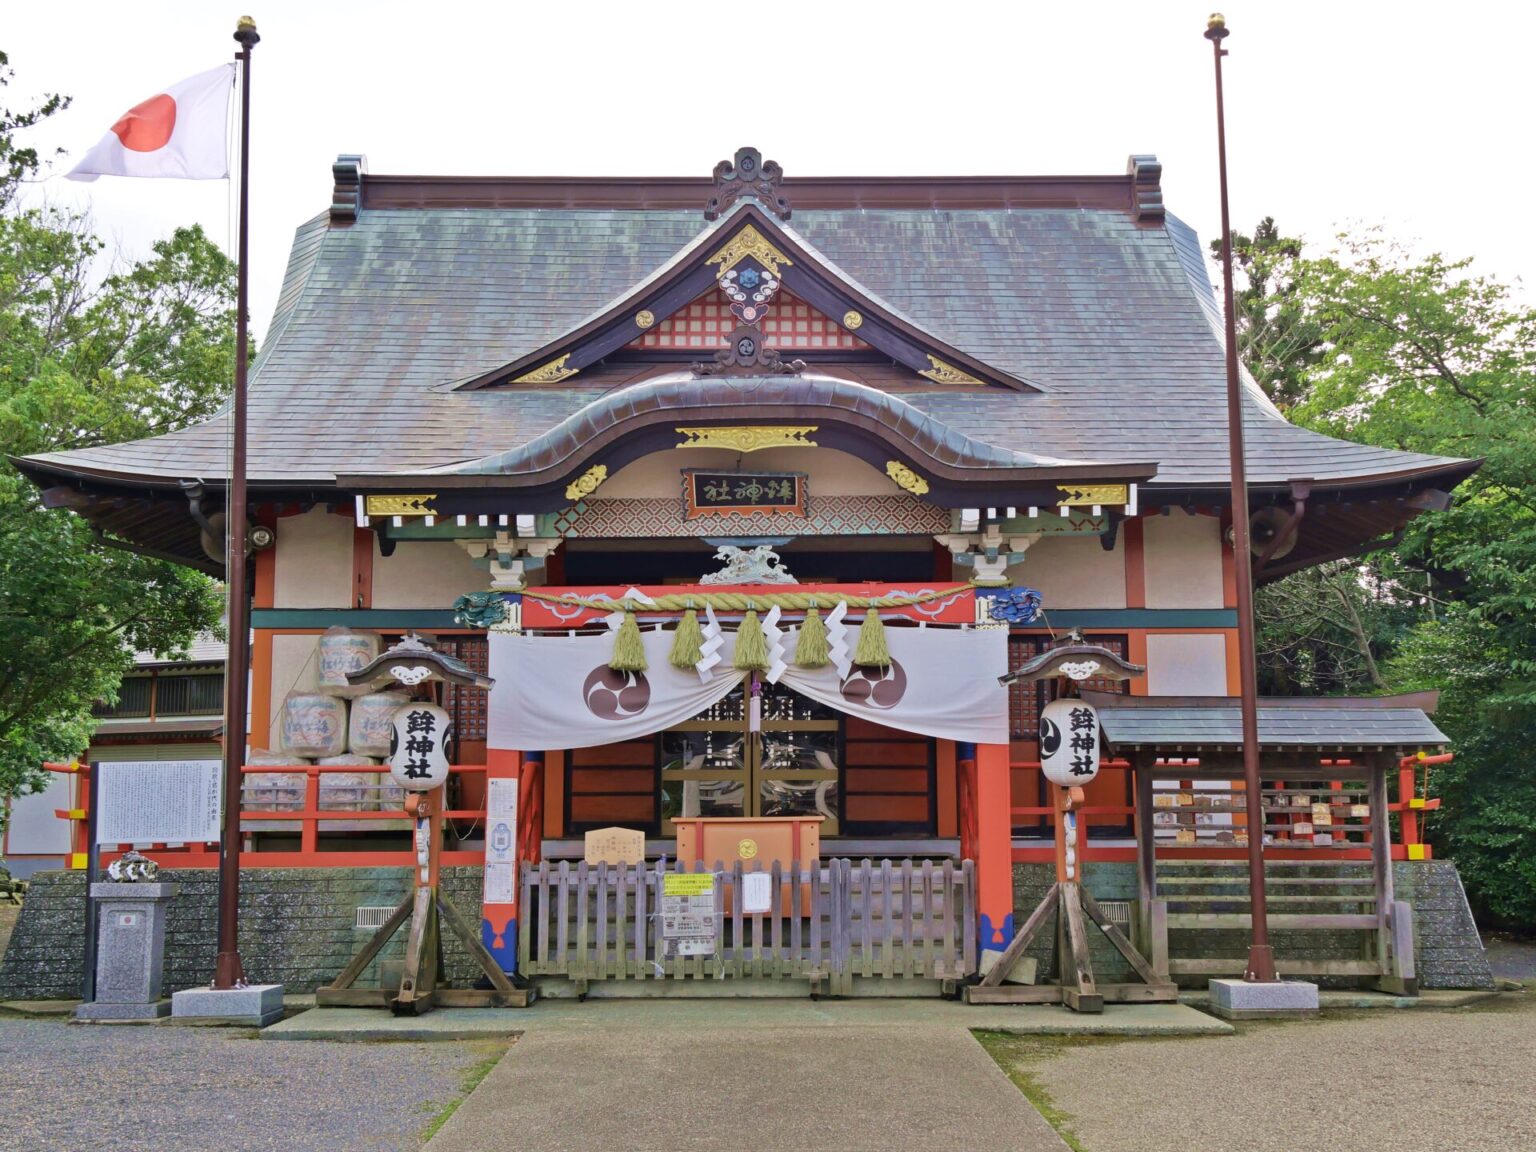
(310, 818)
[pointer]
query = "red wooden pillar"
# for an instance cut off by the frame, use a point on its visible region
(498, 909)
(994, 847)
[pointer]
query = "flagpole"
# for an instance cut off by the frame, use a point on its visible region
(1261, 957)
(228, 971)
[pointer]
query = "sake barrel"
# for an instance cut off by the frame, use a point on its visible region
(348, 791)
(370, 726)
(314, 725)
(273, 791)
(343, 651)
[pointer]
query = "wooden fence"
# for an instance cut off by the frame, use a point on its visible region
(827, 923)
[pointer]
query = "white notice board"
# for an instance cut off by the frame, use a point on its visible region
(158, 802)
(501, 841)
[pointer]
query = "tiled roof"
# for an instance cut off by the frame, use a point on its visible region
(1113, 321)
(1292, 723)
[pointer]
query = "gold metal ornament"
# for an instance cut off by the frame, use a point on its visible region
(400, 505)
(746, 848)
(644, 318)
(944, 373)
(749, 439)
(549, 373)
(1081, 495)
(852, 320)
(748, 242)
(905, 478)
(587, 483)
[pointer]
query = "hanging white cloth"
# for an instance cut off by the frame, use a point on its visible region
(941, 682)
(558, 691)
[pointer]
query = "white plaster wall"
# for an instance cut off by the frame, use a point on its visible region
(1192, 665)
(1073, 572)
(829, 472)
(425, 574)
(313, 568)
(295, 668)
(1183, 561)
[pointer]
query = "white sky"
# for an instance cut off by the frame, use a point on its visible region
(1409, 114)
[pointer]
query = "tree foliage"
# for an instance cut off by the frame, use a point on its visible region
(1422, 355)
(87, 359)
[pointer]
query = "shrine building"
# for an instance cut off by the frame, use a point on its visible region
(746, 494)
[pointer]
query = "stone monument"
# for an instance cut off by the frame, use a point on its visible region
(130, 942)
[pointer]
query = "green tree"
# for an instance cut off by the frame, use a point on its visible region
(1278, 339)
(1425, 356)
(87, 360)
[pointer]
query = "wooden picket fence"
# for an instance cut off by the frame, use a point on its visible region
(827, 923)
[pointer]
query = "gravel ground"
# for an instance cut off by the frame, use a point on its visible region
(1511, 958)
(1414, 1080)
(171, 1089)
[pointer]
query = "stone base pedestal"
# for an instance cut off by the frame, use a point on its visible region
(102, 1012)
(254, 1006)
(1240, 1000)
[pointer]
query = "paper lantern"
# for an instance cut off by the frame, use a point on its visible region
(1069, 742)
(418, 750)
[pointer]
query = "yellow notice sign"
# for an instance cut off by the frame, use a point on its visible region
(687, 884)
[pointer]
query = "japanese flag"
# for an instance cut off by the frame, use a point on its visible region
(180, 134)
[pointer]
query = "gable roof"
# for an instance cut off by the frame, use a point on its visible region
(1079, 288)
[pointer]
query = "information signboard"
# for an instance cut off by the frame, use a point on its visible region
(742, 493)
(159, 802)
(688, 914)
(501, 841)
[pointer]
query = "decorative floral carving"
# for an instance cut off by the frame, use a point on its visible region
(905, 478)
(748, 242)
(417, 505)
(1012, 605)
(1082, 495)
(749, 439)
(747, 354)
(943, 373)
(549, 373)
(587, 483)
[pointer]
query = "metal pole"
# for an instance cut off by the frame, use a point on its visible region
(228, 971)
(1261, 957)
(92, 865)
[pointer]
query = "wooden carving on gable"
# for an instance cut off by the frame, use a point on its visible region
(748, 175)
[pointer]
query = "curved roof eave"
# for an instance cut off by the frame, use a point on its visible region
(681, 398)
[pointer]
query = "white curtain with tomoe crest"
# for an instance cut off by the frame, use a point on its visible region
(556, 691)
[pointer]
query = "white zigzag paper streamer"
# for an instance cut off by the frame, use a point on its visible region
(837, 639)
(710, 647)
(775, 638)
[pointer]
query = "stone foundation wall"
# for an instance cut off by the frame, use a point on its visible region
(296, 928)
(1448, 953)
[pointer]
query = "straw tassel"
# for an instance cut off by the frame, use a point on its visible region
(628, 650)
(872, 651)
(811, 648)
(751, 645)
(687, 642)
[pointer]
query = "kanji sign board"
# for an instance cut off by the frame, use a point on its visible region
(159, 802)
(688, 914)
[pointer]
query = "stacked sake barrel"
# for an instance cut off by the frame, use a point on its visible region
(337, 724)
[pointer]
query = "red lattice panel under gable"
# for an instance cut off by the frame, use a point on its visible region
(791, 323)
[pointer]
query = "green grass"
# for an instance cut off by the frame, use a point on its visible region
(477, 1072)
(1018, 1056)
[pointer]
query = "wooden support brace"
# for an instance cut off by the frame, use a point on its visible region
(1022, 939)
(1117, 938)
(386, 932)
(1080, 993)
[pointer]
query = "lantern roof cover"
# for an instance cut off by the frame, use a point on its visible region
(1076, 662)
(413, 661)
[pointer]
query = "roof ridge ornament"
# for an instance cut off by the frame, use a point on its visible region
(748, 175)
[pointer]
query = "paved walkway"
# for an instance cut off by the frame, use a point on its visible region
(765, 1076)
